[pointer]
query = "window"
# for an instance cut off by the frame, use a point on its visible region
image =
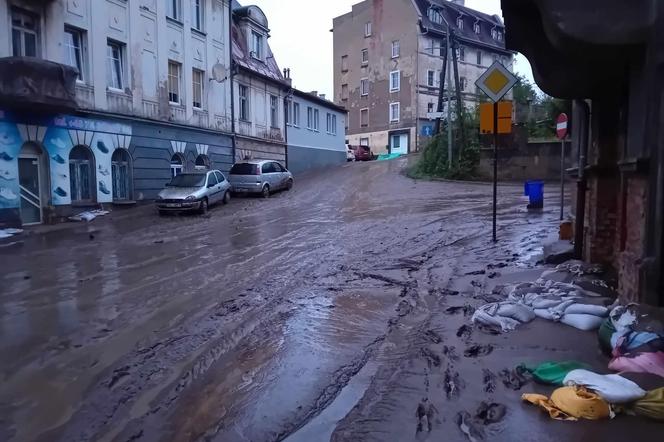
(274, 111)
(75, 52)
(430, 107)
(114, 65)
(198, 15)
(344, 63)
(331, 124)
(82, 175)
(477, 27)
(25, 34)
(312, 118)
(364, 117)
(364, 87)
(344, 92)
(496, 34)
(395, 81)
(479, 57)
(174, 9)
(364, 142)
(120, 172)
(463, 82)
(435, 16)
(256, 45)
(462, 53)
(197, 81)
(220, 177)
(296, 114)
(174, 82)
(243, 92)
(460, 23)
(288, 111)
(367, 29)
(431, 78)
(316, 120)
(396, 49)
(365, 56)
(395, 111)
(177, 165)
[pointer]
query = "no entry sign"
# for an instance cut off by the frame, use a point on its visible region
(561, 126)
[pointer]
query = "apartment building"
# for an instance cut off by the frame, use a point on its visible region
(388, 57)
(103, 101)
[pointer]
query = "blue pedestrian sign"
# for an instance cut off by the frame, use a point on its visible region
(427, 131)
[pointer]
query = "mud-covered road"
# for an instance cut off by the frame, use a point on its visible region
(310, 316)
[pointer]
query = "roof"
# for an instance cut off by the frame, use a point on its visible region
(321, 101)
(268, 69)
(451, 12)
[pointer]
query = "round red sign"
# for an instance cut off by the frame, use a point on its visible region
(561, 126)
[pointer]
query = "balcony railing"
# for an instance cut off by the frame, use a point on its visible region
(244, 128)
(85, 95)
(118, 102)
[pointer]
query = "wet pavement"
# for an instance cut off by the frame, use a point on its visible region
(337, 311)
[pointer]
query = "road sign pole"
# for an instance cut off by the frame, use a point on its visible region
(562, 179)
(495, 170)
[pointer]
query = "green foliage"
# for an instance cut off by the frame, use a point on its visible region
(466, 157)
(542, 109)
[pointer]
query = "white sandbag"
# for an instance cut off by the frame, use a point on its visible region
(518, 312)
(613, 388)
(543, 313)
(505, 324)
(582, 322)
(587, 309)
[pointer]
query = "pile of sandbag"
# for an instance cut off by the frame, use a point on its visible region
(547, 299)
(633, 340)
(588, 395)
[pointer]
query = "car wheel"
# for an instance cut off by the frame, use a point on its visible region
(227, 197)
(289, 184)
(266, 191)
(204, 206)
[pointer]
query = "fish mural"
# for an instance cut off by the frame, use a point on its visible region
(5, 156)
(102, 147)
(8, 194)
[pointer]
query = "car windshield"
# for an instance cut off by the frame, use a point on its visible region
(188, 180)
(244, 169)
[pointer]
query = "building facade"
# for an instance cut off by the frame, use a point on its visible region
(316, 132)
(146, 96)
(388, 57)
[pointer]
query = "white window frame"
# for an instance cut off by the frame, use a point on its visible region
(257, 46)
(198, 15)
(365, 56)
(430, 107)
(316, 120)
(81, 59)
(331, 124)
(198, 88)
(296, 114)
(435, 15)
(460, 23)
(364, 87)
(393, 106)
(362, 111)
(310, 118)
(274, 111)
(364, 142)
(431, 78)
(477, 27)
(463, 83)
(243, 103)
(174, 9)
(395, 86)
(462, 53)
(23, 31)
(115, 65)
(367, 29)
(173, 82)
(480, 58)
(396, 49)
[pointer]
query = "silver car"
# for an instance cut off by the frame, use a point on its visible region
(194, 191)
(260, 177)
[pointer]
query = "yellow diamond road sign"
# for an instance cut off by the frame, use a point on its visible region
(496, 81)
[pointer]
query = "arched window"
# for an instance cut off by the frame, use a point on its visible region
(121, 171)
(202, 162)
(177, 164)
(82, 175)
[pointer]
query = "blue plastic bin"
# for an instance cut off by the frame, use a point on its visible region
(534, 190)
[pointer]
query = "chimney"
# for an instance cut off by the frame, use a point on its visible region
(287, 76)
(322, 96)
(315, 93)
(459, 2)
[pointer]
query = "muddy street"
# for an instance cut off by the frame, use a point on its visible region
(335, 311)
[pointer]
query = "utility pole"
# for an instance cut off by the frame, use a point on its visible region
(449, 98)
(458, 98)
(441, 91)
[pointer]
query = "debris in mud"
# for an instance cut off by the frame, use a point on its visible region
(450, 352)
(159, 241)
(433, 336)
(478, 350)
(493, 275)
(386, 279)
(464, 331)
(500, 265)
(452, 383)
(488, 330)
(467, 310)
(404, 308)
(476, 273)
(489, 381)
(467, 427)
(515, 379)
(487, 414)
(426, 411)
(117, 375)
(475, 283)
(433, 360)
(491, 413)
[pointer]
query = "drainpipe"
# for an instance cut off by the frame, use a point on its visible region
(581, 112)
(231, 77)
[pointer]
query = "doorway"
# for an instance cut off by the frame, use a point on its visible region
(399, 143)
(81, 176)
(120, 168)
(33, 183)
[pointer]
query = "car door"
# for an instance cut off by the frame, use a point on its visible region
(223, 183)
(268, 175)
(212, 188)
(280, 173)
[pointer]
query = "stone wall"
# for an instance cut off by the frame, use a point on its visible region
(533, 161)
(254, 149)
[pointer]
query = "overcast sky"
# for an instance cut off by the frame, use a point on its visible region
(301, 37)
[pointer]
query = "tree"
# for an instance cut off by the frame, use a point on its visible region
(524, 92)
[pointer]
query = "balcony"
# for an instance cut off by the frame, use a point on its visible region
(85, 95)
(150, 109)
(201, 118)
(28, 82)
(222, 123)
(118, 102)
(244, 128)
(178, 114)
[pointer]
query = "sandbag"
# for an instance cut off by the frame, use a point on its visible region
(572, 403)
(518, 312)
(651, 405)
(582, 322)
(604, 334)
(587, 309)
(553, 373)
(505, 324)
(640, 363)
(613, 388)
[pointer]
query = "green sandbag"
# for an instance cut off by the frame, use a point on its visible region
(553, 373)
(652, 405)
(604, 334)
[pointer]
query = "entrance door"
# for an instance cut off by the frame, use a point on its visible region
(120, 175)
(31, 207)
(81, 169)
(399, 143)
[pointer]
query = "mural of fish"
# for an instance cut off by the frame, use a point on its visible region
(57, 142)
(60, 192)
(6, 175)
(58, 159)
(103, 189)
(103, 171)
(7, 194)
(102, 147)
(5, 156)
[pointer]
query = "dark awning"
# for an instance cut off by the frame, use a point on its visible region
(26, 82)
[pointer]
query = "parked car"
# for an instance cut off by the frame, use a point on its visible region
(363, 153)
(350, 154)
(260, 177)
(194, 191)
